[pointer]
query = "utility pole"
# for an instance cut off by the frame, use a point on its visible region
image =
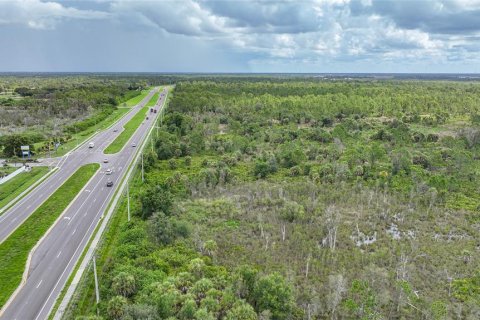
(143, 178)
(128, 202)
(97, 293)
(76, 137)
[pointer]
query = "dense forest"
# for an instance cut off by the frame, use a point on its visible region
(301, 199)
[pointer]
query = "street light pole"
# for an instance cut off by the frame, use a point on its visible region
(97, 293)
(128, 203)
(143, 178)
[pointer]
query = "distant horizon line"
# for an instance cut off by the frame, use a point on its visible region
(239, 72)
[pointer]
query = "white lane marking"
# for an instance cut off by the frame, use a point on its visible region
(74, 231)
(94, 199)
(14, 219)
(85, 201)
(28, 207)
(38, 285)
(59, 253)
(86, 190)
(71, 259)
(66, 218)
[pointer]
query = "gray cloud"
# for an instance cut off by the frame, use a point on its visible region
(445, 17)
(282, 33)
(36, 14)
(265, 16)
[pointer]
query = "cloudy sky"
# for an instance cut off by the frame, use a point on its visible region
(241, 36)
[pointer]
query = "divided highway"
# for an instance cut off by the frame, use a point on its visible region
(56, 255)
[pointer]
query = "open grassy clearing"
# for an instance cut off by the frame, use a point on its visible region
(130, 127)
(12, 188)
(14, 250)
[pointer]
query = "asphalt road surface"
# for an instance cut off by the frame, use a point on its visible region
(55, 257)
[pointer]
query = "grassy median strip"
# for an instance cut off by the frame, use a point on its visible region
(12, 188)
(136, 100)
(130, 127)
(80, 137)
(153, 100)
(15, 249)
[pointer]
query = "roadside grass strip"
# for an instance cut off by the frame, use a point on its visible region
(80, 137)
(136, 100)
(11, 189)
(15, 249)
(130, 127)
(153, 100)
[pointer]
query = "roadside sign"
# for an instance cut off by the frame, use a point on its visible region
(25, 148)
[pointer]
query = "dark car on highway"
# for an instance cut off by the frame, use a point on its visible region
(109, 183)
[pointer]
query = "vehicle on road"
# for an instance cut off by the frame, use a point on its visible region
(108, 172)
(115, 130)
(151, 109)
(134, 144)
(105, 160)
(147, 118)
(91, 145)
(109, 183)
(154, 110)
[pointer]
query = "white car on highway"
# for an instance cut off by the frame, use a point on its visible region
(108, 171)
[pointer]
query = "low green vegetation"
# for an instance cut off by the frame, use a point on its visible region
(12, 188)
(80, 137)
(301, 199)
(153, 100)
(130, 127)
(61, 109)
(136, 100)
(6, 170)
(15, 249)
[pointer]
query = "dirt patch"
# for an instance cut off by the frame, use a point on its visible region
(222, 128)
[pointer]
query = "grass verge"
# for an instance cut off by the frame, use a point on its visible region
(82, 297)
(136, 100)
(80, 137)
(82, 300)
(130, 127)
(153, 100)
(12, 188)
(15, 249)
